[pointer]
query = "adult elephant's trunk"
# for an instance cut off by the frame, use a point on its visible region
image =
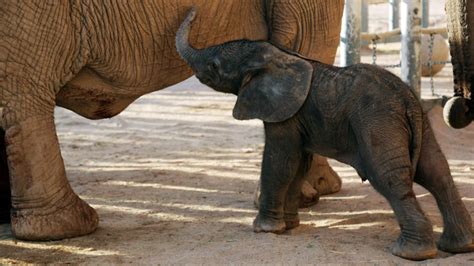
(459, 110)
(188, 53)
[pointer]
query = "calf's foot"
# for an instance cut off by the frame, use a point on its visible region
(456, 243)
(267, 224)
(414, 250)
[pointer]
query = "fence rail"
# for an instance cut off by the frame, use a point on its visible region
(382, 36)
(412, 23)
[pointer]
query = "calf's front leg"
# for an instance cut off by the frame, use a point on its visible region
(282, 172)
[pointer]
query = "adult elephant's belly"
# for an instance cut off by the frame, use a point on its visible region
(95, 97)
(91, 96)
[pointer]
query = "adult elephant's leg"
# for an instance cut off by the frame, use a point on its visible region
(44, 205)
(45, 46)
(5, 198)
(433, 173)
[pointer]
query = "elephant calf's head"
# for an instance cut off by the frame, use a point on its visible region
(271, 84)
(221, 67)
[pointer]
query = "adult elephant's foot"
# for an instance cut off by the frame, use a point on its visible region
(309, 195)
(320, 180)
(44, 206)
(419, 250)
(268, 224)
(68, 217)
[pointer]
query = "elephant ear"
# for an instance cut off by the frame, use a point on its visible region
(278, 86)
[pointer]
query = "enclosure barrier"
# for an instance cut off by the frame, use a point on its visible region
(413, 15)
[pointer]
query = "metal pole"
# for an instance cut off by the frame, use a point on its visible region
(394, 14)
(364, 27)
(350, 33)
(410, 51)
(425, 23)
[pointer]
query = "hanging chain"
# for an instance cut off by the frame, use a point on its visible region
(374, 57)
(430, 62)
(374, 52)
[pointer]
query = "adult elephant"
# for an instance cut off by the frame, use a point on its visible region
(459, 110)
(97, 57)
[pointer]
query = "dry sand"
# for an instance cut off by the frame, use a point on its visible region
(173, 176)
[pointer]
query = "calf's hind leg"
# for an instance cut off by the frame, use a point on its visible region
(416, 237)
(433, 173)
(388, 167)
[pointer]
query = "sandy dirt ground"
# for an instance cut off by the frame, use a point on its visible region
(173, 177)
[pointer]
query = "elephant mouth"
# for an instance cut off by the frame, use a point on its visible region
(245, 81)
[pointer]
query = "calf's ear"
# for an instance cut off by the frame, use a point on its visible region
(277, 87)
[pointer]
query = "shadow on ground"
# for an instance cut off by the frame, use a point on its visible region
(173, 178)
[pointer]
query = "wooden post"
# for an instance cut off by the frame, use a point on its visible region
(410, 52)
(350, 33)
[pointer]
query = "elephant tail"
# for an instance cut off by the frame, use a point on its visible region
(416, 122)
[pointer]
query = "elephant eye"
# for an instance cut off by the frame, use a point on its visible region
(213, 66)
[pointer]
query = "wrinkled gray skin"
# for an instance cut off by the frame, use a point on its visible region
(360, 115)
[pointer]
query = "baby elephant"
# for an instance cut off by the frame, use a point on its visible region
(360, 115)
